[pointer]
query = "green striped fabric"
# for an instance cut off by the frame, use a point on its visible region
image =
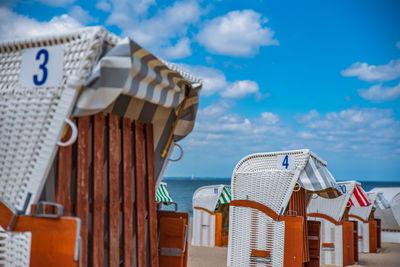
(162, 194)
(225, 196)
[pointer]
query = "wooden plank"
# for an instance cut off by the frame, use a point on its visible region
(151, 187)
(372, 237)
(293, 250)
(218, 229)
(82, 185)
(347, 243)
(63, 189)
(127, 192)
(113, 191)
(98, 190)
(140, 194)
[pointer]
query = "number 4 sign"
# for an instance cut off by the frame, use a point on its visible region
(42, 67)
(285, 162)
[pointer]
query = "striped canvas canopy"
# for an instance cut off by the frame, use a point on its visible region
(315, 177)
(162, 194)
(225, 197)
(381, 202)
(359, 198)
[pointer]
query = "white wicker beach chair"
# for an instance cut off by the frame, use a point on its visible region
(40, 79)
(330, 213)
(361, 215)
(14, 248)
(205, 201)
(263, 183)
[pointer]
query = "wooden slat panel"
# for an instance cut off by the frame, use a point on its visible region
(140, 194)
(151, 184)
(98, 190)
(293, 250)
(372, 237)
(63, 190)
(347, 243)
(113, 192)
(82, 185)
(127, 192)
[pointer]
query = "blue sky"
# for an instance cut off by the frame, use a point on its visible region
(277, 75)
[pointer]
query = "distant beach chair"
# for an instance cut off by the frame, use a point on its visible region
(367, 226)
(211, 215)
(339, 238)
(268, 191)
(388, 211)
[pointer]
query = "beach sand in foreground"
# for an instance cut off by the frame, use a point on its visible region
(389, 256)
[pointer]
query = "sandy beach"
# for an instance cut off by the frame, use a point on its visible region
(388, 256)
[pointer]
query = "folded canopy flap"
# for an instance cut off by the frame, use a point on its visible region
(359, 198)
(381, 202)
(162, 194)
(131, 70)
(225, 197)
(315, 177)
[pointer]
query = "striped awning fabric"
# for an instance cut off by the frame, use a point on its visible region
(381, 202)
(225, 197)
(316, 177)
(129, 69)
(359, 197)
(162, 194)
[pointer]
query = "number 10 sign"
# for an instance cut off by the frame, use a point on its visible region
(42, 67)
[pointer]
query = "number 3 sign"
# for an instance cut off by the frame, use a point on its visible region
(42, 67)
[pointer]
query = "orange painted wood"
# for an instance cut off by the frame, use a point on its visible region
(151, 196)
(218, 229)
(113, 191)
(260, 253)
(53, 240)
(323, 216)
(348, 243)
(357, 217)
(140, 194)
(98, 190)
(378, 233)
(82, 184)
(355, 239)
(314, 230)
(297, 205)
(255, 205)
(172, 228)
(203, 209)
(372, 237)
(6, 215)
(293, 248)
(127, 192)
(63, 189)
(328, 245)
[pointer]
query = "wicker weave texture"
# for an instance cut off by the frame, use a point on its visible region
(32, 119)
(15, 249)
(252, 229)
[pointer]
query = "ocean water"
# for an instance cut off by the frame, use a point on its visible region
(181, 189)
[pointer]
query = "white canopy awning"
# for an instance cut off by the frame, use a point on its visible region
(208, 197)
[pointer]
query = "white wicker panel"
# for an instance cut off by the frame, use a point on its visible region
(271, 188)
(15, 249)
(333, 207)
(362, 212)
(31, 120)
(252, 229)
(327, 236)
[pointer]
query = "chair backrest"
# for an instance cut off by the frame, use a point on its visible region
(40, 79)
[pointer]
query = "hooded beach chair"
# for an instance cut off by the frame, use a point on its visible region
(46, 80)
(268, 191)
(364, 215)
(210, 215)
(338, 244)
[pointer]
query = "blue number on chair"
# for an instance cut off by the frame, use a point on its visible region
(286, 161)
(42, 66)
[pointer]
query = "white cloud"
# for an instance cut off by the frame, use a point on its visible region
(14, 26)
(81, 15)
(56, 2)
(156, 33)
(103, 5)
(238, 33)
(307, 135)
(269, 118)
(378, 94)
(180, 50)
(312, 115)
(241, 89)
(371, 73)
